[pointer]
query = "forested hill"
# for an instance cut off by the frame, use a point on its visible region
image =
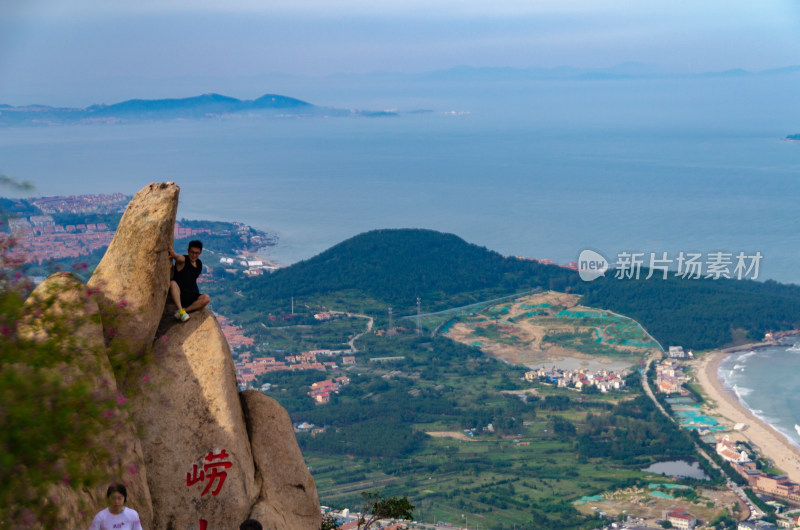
(702, 313)
(392, 267)
(396, 266)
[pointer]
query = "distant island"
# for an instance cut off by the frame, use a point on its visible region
(207, 106)
(793, 137)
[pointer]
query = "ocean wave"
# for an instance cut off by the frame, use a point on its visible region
(790, 436)
(738, 367)
(741, 391)
(797, 428)
(746, 355)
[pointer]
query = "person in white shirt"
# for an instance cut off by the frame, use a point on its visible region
(117, 516)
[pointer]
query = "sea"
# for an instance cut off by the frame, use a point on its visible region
(541, 168)
(758, 379)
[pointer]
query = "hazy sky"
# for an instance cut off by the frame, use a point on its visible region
(71, 51)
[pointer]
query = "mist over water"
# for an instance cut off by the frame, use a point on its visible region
(538, 168)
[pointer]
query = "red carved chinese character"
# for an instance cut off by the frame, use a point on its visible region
(203, 524)
(193, 478)
(213, 473)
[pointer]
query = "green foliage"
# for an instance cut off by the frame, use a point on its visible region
(374, 508)
(761, 505)
(110, 219)
(329, 523)
(563, 429)
(396, 266)
(634, 431)
(700, 313)
(371, 437)
(59, 406)
(724, 520)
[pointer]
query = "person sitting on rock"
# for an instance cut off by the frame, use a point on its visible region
(183, 287)
(117, 515)
(250, 524)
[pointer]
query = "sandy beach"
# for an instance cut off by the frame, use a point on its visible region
(758, 433)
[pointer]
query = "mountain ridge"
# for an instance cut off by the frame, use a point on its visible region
(210, 105)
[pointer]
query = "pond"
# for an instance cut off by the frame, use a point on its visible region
(678, 468)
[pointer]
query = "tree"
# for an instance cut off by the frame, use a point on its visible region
(374, 507)
(329, 522)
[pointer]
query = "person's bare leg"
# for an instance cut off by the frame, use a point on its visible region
(200, 303)
(175, 294)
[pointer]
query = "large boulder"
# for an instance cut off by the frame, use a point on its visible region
(189, 463)
(134, 271)
(60, 310)
(288, 498)
(199, 463)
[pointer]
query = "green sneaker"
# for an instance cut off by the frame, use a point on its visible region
(182, 315)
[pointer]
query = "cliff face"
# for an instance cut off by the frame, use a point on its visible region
(205, 457)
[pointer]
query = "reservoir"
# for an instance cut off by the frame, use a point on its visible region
(678, 468)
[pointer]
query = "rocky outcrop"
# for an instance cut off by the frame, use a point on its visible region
(198, 456)
(288, 496)
(61, 302)
(134, 271)
(195, 462)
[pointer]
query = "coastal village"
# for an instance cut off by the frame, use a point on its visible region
(580, 380)
(249, 368)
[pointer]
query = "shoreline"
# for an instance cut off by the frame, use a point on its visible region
(763, 437)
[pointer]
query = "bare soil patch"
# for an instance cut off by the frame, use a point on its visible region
(450, 434)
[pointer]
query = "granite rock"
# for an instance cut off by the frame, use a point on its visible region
(135, 270)
(198, 458)
(288, 496)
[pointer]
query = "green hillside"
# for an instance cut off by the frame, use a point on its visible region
(382, 268)
(395, 266)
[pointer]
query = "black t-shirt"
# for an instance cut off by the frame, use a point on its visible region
(186, 278)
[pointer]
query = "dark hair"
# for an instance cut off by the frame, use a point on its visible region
(117, 488)
(251, 524)
(196, 244)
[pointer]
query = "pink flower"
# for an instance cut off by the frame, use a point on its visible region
(132, 470)
(146, 379)
(123, 304)
(121, 399)
(111, 332)
(66, 479)
(108, 414)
